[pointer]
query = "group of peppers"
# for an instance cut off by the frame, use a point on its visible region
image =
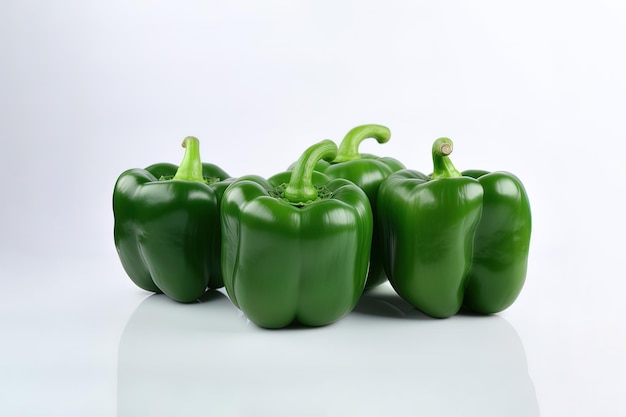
(303, 245)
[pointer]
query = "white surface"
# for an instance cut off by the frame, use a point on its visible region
(89, 90)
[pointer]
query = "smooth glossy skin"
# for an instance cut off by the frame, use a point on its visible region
(501, 243)
(167, 232)
(368, 174)
(367, 171)
(428, 228)
(126, 233)
(283, 263)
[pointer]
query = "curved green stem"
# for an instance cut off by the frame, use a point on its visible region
(190, 168)
(442, 165)
(349, 147)
(300, 188)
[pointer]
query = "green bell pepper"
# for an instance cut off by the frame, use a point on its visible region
(295, 247)
(367, 171)
(451, 240)
(166, 227)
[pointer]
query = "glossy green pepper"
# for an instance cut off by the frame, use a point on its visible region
(453, 240)
(296, 246)
(166, 228)
(367, 171)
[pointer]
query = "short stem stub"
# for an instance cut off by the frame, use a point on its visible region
(300, 188)
(442, 165)
(349, 146)
(190, 168)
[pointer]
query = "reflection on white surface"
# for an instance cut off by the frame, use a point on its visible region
(384, 358)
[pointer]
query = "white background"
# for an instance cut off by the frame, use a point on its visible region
(89, 89)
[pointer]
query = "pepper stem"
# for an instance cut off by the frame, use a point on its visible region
(349, 146)
(442, 165)
(190, 168)
(300, 188)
